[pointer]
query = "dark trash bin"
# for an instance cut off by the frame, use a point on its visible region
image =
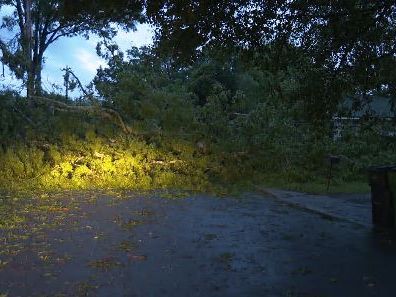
(383, 205)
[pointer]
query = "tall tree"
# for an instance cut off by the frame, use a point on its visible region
(36, 24)
(350, 39)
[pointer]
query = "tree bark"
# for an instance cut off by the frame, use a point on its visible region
(37, 53)
(38, 65)
(28, 34)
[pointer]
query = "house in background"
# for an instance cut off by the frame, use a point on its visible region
(354, 111)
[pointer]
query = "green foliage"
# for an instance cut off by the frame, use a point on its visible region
(193, 128)
(348, 41)
(120, 163)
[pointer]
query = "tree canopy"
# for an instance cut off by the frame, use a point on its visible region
(352, 38)
(334, 47)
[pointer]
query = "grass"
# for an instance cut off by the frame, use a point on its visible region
(318, 186)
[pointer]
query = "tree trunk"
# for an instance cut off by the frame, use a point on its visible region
(38, 67)
(28, 47)
(37, 55)
(37, 87)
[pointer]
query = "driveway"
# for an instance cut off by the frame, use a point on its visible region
(96, 244)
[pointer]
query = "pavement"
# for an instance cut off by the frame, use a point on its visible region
(272, 244)
(353, 208)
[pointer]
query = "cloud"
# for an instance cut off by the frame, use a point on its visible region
(143, 36)
(88, 60)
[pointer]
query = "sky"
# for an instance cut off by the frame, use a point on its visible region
(80, 54)
(77, 53)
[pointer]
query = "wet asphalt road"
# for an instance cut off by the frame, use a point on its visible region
(146, 246)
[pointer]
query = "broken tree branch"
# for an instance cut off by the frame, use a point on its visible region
(108, 113)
